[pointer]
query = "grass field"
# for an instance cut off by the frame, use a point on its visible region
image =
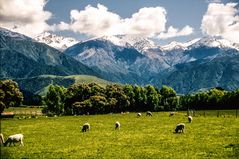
(144, 137)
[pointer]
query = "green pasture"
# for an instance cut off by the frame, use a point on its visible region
(144, 137)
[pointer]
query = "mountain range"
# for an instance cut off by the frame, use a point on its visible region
(187, 67)
(180, 65)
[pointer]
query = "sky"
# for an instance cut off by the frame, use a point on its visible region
(162, 20)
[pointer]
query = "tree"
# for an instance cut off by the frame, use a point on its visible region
(54, 99)
(116, 91)
(10, 95)
(167, 92)
(152, 97)
(168, 95)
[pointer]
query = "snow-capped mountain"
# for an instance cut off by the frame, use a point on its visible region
(58, 42)
(140, 43)
(214, 42)
(196, 64)
(15, 35)
(174, 45)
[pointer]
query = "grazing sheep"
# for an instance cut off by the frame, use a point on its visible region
(148, 113)
(190, 119)
(12, 139)
(171, 114)
(179, 127)
(139, 115)
(86, 127)
(117, 125)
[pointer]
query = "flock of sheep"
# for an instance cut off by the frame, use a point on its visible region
(179, 127)
(86, 127)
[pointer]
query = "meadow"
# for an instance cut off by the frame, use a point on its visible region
(144, 137)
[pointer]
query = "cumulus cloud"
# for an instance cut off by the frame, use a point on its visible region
(24, 16)
(221, 20)
(147, 21)
(174, 32)
(98, 21)
(94, 21)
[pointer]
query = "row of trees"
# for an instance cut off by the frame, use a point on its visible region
(215, 98)
(94, 99)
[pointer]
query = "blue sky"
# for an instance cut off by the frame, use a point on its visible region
(163, 20)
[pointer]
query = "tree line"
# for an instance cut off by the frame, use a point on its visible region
(114, 98)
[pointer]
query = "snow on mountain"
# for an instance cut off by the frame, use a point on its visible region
(173, 46)
(14, 35)
(140, 43)
(58, 42)
(214, 42)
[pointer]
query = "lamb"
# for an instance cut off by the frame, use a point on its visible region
(148, 113)
(139, 115)
(179, 127)
(190, 118)
(117, 125)
(12, 139)
(86, 127)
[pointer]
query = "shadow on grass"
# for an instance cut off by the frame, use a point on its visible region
(235, 148)
(4, 154)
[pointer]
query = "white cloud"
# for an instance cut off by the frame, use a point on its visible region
(221, 20)
(98, 21)
(147, 21)
(24, 16)
(173, 32)
(94, 21)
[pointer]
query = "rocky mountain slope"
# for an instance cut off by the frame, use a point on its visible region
(132, 59)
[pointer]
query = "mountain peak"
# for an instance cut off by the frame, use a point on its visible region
(13, 34)
(58, 42)
(215, 42)
(138, 42)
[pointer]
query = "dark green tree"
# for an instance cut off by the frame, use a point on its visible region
(54, 100)
(10, 95)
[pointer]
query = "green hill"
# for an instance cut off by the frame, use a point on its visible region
(40, 84)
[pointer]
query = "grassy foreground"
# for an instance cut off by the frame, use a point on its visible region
(144, 137)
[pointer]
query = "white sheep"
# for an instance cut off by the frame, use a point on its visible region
(12, 139)
(117, 125)
(179, 127)
(139, 115)
(86, 127)
(190, 119)
(148, 113)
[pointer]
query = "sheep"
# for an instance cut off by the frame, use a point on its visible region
(148, 113)
(171, 114)
(117, 125)
(86, 127)
(139, 115)
(190, 118)
(179, 127)
(12, 139)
